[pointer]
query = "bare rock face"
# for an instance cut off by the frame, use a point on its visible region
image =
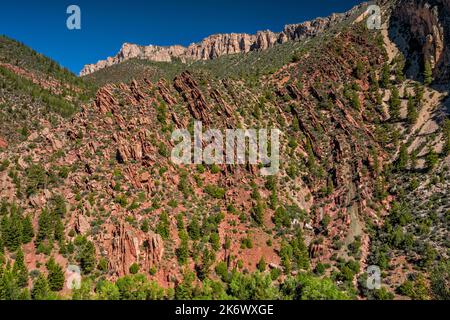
(427, 26)
(82, 225)
(105, 100)
(130, 51)
(218, 45)
(130, 246)
(186, 85)
(3, 143)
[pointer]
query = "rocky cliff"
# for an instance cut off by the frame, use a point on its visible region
(425, 28)
(221, 44)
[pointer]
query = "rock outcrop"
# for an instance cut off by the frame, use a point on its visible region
(218, 45)
(186, 85)
(3, 143)
(130, 246)
(426, 26)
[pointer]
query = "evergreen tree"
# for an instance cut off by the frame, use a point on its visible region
(419, 92)
(145, 226)
(20, 269)
(55, 275)
(45, 227)
(27, 230)
(258, 212)
(311, 157)
(359, 70)
(385, 76)
(87, 257)
(432, 159)
(412, 111)
(428, 73)
(262, 265)
(108, 291)
(300, 251)
(374, 84)
(184, 291)
(2, 245)
(399, 70)
(12, 231)
(208, 259)
(40, 289)
(446, 130)
(286, 256)
(356, 103)
(194, 229)
(403, 158)
(394, 104)
(9, 288)
(330, 185)
(59, 206)
(58, 229)
(163, 227)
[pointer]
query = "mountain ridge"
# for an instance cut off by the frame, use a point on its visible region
(217, 45)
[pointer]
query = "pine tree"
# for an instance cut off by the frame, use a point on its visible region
(419, 92)
(394, 104)
(45, 227)
(385, 76)
(446, 148)
(145, 226)
(359, 70)
(87, 257)
(27, 230)
(403, 158)
(9, 288)
(432, 159)
(59, 206)
(300, 251)
(58, 229)
(183, 250)
(400, 67)
(258, 212)
(286, 255)
(262, 264)
(356, 103)
(194, 229)
(163, 226)
(412, 111)
(311, 157)
(12, 231)
(374, 84)
(55, 275)
(428, 73)
(2, 245)
(330, 185)
(20, 269)
(40, 289)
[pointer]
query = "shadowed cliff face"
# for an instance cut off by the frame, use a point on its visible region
(425, 30)
(218, 45)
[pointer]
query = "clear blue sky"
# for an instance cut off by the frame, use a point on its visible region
(41, 24)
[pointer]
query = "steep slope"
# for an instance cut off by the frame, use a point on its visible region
(34, 91)
(363, 179)
(114, 174)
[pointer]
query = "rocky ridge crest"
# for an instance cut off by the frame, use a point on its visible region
(218, 45)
